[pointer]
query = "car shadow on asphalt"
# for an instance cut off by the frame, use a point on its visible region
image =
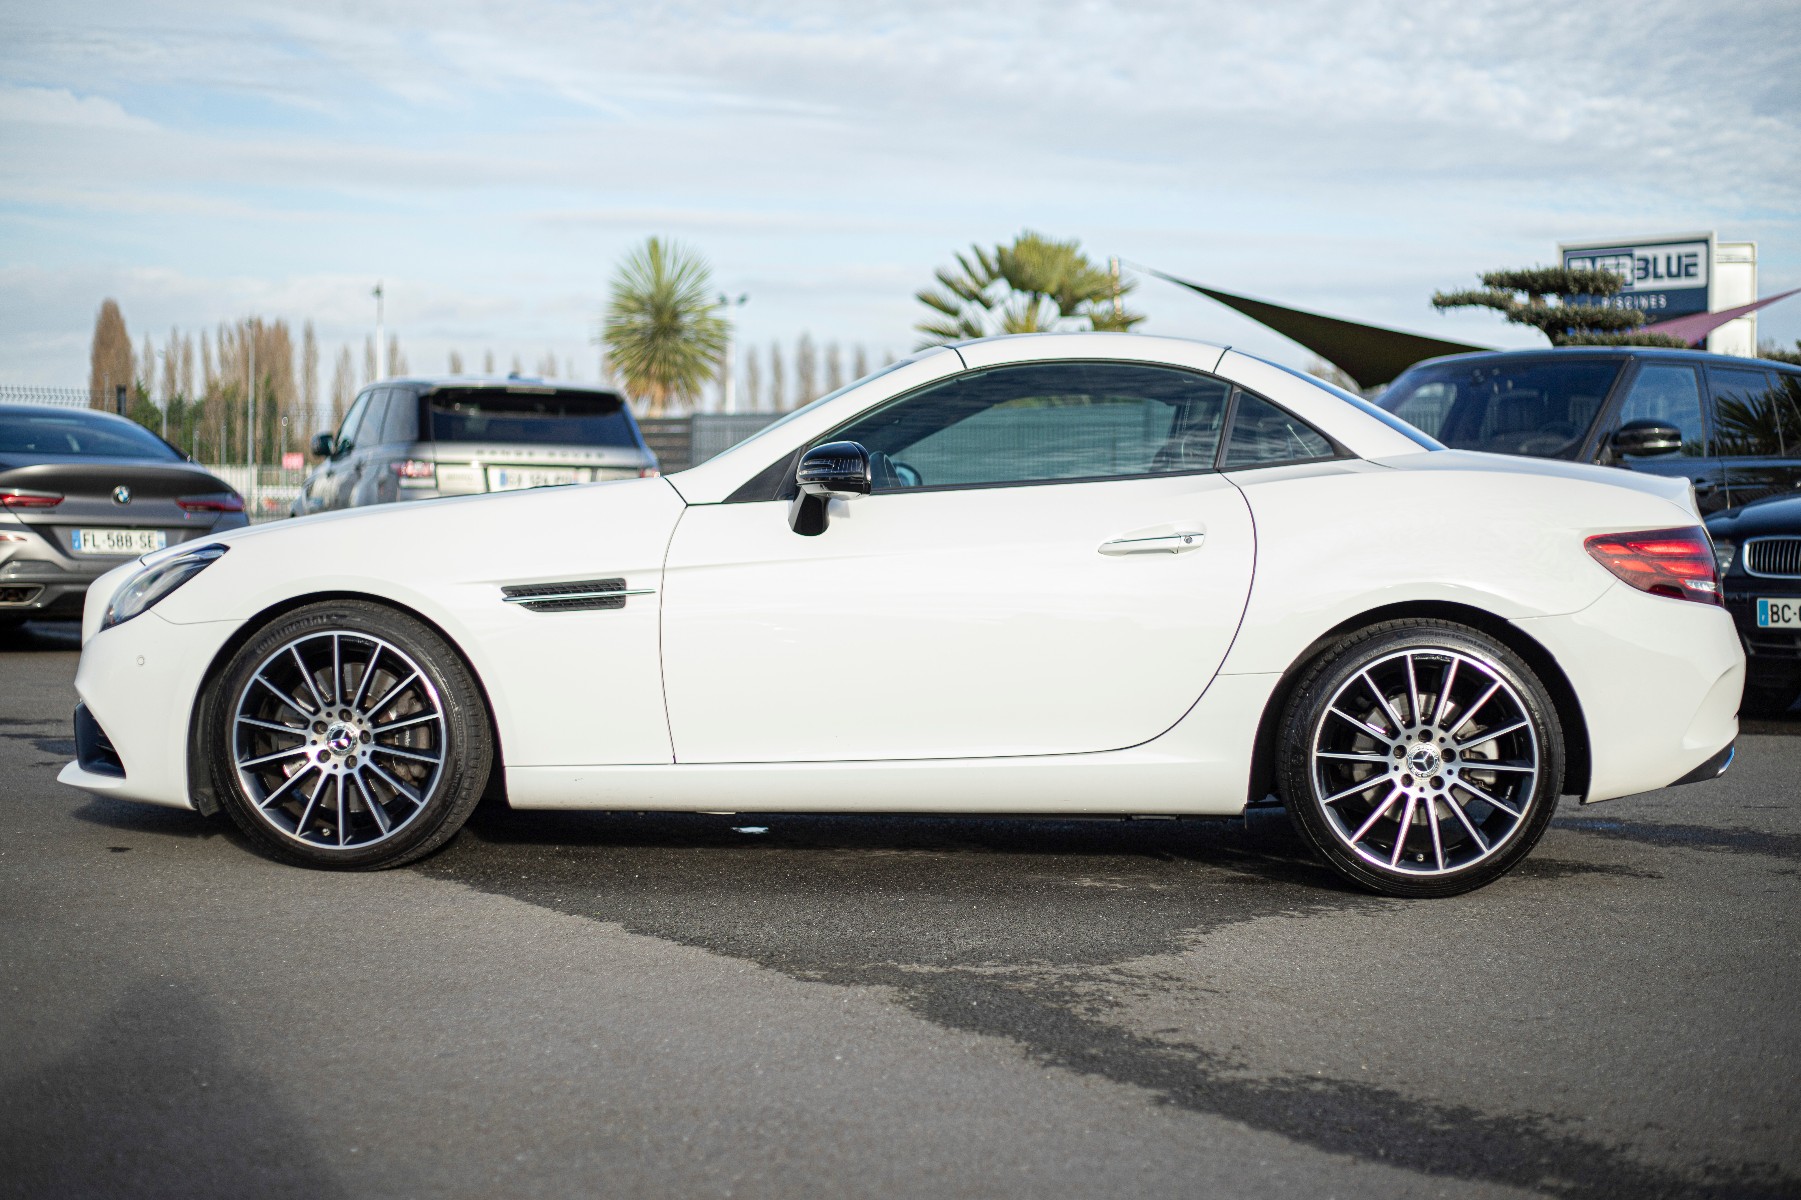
(40, 636)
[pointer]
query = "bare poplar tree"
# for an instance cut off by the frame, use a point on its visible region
(208, 377)
(172, 366)
(146, 368)
(109, 361)
(488, 362)
(806, 371)
(456, 362)
(547, 366)
(834, 367)
(860, 362)
(778, 386)
(518, 367)
(753, 381)
(343, 387)
(187, 367)
(369, 359)
(309, 378)
(396, 360)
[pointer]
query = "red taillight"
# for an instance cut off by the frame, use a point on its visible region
(219, 504)
(17, 498)
(648, 472)
(1677, 563)
(414, 472)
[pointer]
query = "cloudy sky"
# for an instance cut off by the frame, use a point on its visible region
(489, 162)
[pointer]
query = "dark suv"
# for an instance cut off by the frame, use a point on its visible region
(412, 439)
(1730, 425)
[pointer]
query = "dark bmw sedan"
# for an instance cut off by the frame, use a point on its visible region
(82, 491)
(1759, 552)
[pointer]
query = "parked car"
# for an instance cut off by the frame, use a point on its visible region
(1068, 573)
(414, 439)
(1759, 552)
(83, 491)
(1731, 426)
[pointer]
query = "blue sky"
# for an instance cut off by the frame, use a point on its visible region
(491, 162)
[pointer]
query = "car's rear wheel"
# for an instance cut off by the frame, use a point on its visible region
(346, 734)
(1421, 758)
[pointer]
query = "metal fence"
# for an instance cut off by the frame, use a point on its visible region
(64, 397)
(268, 491)
(683, 442)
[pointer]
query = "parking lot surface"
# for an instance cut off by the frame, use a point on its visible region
(770, 1005)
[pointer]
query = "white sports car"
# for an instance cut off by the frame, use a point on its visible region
(1057, 574)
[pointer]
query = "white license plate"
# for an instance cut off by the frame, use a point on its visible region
(1779, 614)
(117, 541)
(511, 479)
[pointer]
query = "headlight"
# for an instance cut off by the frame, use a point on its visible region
(1722, 554)
(159, 577)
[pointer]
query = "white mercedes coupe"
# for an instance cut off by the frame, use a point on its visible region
(1054, 574)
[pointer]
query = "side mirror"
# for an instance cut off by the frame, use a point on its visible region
(323, 445)
(1647, 438)
(835, 469)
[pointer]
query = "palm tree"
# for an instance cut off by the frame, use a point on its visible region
(663, 333)
(1033, 285)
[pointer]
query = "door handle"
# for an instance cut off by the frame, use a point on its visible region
(1164, 543)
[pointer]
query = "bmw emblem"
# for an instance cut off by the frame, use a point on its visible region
(121, 495)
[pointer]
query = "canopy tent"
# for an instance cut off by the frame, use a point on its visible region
(1370, 354)
(1694, 328)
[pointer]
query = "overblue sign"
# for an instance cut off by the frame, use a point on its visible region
(1665, 279)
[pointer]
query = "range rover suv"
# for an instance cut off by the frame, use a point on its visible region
(1732, 426)
(413, 439)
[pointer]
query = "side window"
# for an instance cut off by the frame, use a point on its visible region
(1263, 435)
(1669, 395)
(353, 421)
(1043, 422)
(1753, 415)
(402, 424)
(369, 436)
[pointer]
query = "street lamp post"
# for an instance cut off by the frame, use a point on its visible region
(730, 398)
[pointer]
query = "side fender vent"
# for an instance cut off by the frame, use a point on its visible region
(581, 595)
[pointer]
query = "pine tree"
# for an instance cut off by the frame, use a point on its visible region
(109, 360)
(1559, 302)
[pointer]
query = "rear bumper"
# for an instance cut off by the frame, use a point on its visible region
(42, 588)
(1659, 682)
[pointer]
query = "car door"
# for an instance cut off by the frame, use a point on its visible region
(1668, 393)
(359, 480)
(1048, 564)
(325, 489)
(1757, 424)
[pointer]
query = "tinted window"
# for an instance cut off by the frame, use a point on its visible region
(536, 418)
(353, 421)
(402, 423)
(1263, 435)
(1669, 395)
(1754, 413)
(368, 435)
(74, 432)
(1040, 422)
(1506, 406)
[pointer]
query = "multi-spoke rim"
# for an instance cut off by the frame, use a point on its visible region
(339, 740)
(1426, 761)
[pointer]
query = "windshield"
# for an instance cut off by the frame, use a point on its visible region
(79, 434)
(1541, 408)
(535, 418)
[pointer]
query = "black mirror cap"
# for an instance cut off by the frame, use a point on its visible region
(1647, 437)
(323, 445)
(835, 469)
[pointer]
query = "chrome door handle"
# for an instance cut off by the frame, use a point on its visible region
(1166, 543)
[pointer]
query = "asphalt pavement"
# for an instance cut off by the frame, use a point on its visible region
(631, 1005)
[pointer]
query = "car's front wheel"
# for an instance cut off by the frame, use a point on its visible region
(1421, 758)
(346, 734)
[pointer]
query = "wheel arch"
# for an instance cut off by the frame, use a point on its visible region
(1563, 695)
(200, 788)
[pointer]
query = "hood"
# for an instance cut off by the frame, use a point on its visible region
(1677, 491)
(1772, 515)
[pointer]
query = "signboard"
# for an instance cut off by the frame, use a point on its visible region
(1666, 277)
(293, 461)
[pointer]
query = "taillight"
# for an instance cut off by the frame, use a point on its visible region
(19, 498)
(1678, 563)
(415, 473)
(648, 472)
(218, 504)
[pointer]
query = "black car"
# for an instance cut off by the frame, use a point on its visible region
(1759, 551)
(1730, 425)
(82, 492)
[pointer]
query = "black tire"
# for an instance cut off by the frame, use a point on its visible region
(1447, 823)
(395, 795)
